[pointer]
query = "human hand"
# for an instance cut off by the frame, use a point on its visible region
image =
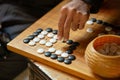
(74, 15)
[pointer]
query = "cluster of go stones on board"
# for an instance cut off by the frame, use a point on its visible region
(108, 27)
(39, 37)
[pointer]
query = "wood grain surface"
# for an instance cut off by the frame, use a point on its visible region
(110, 12)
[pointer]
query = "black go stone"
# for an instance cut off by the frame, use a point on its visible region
(71, 57)
(35, 33)
(69, 41)
(60, 59)
(72, 47)
(99, 21)
(47, 54)
(67, 61)
(75, 44)
(55, 31)
(53, 56)
(93, 19)
(108, 24)
(69, 51)
(49, 29)
(39, 30)
(31, 37)
(105, 23)
(26, 40)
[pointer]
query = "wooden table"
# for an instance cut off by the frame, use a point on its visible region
(109, 13)
(52, 73)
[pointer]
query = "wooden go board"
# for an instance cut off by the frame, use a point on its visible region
(109, 12)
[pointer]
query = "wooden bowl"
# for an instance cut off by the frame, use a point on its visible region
(103, 65)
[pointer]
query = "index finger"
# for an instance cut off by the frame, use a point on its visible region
(61, 23)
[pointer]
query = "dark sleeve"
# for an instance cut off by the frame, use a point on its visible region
(95, 5)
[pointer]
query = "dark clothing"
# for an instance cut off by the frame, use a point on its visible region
(35, 8)
(13, 22)
(95, 5)
(15, 17)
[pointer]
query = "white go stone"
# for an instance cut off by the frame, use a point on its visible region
(50, 35)
(42, 41)
(44, 32)
(89, 30)
(64, 55)
(58, 52)
(108, 28)
(89, 22)
(55, 37)
(36, 39)
(51, 49)
(53, 40)
(31, 43)
(41, 36)
(48, 44)
(40, 50)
